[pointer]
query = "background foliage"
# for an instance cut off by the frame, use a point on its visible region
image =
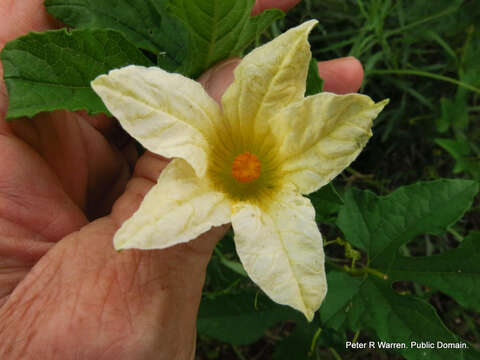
(388, 214)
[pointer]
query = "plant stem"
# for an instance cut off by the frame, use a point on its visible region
(358, 272)
(455, 234)
(375, 272)
(335, 354)
(314, 341)
(355, 337)
(419, 22)
(425, 74)
(238, 353)
(326, 243)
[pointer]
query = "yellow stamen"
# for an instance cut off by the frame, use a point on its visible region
(246, 167)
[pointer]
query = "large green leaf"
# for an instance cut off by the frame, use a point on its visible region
(144, 23)
(297, 344)
(327, 203)
(304, 341)
(461, 151)
(454, 114)
(455, 272)
(381, 224)
(52, 70)
(342, 289)
(371, 304)
(236, 319)
(218, 29)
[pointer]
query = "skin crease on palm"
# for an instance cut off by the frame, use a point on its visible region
(65, 187)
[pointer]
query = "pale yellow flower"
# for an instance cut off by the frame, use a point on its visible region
(248, 163)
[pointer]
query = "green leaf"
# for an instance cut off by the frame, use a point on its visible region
(381, 224)
(144, 23)
(342, 289)
(327, 203)
(297, 344)
(371, 304)
(461, 152)
(52, 70)
(303, 342)
(314, 81)
(235, 319)
(235, 266)
(470, 68)
(455, 272)
(454, 114)
(218, 29)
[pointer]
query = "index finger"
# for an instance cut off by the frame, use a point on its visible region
(18, 18)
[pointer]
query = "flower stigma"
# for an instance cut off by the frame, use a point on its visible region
(246, 167)
(245, 173)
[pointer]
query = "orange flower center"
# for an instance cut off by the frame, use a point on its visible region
(246, 167)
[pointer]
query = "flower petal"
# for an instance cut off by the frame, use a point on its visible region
(168, 114)
(268, 78)
(177, 209)
(281, 249)
(322, 135)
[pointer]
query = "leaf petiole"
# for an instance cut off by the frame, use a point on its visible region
(358, 271)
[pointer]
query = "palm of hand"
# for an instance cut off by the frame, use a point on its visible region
(46, 184)
(59, 275)
(42, 199)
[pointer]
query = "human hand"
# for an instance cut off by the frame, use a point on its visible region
(64, 291)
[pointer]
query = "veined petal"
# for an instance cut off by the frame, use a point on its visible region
(269, 78)
(168, 114)
(281, 249)
(177, 209)
(321, 135)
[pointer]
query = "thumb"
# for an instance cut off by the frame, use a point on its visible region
(218, 78)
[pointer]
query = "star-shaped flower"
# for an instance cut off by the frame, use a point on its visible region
(247, 163)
